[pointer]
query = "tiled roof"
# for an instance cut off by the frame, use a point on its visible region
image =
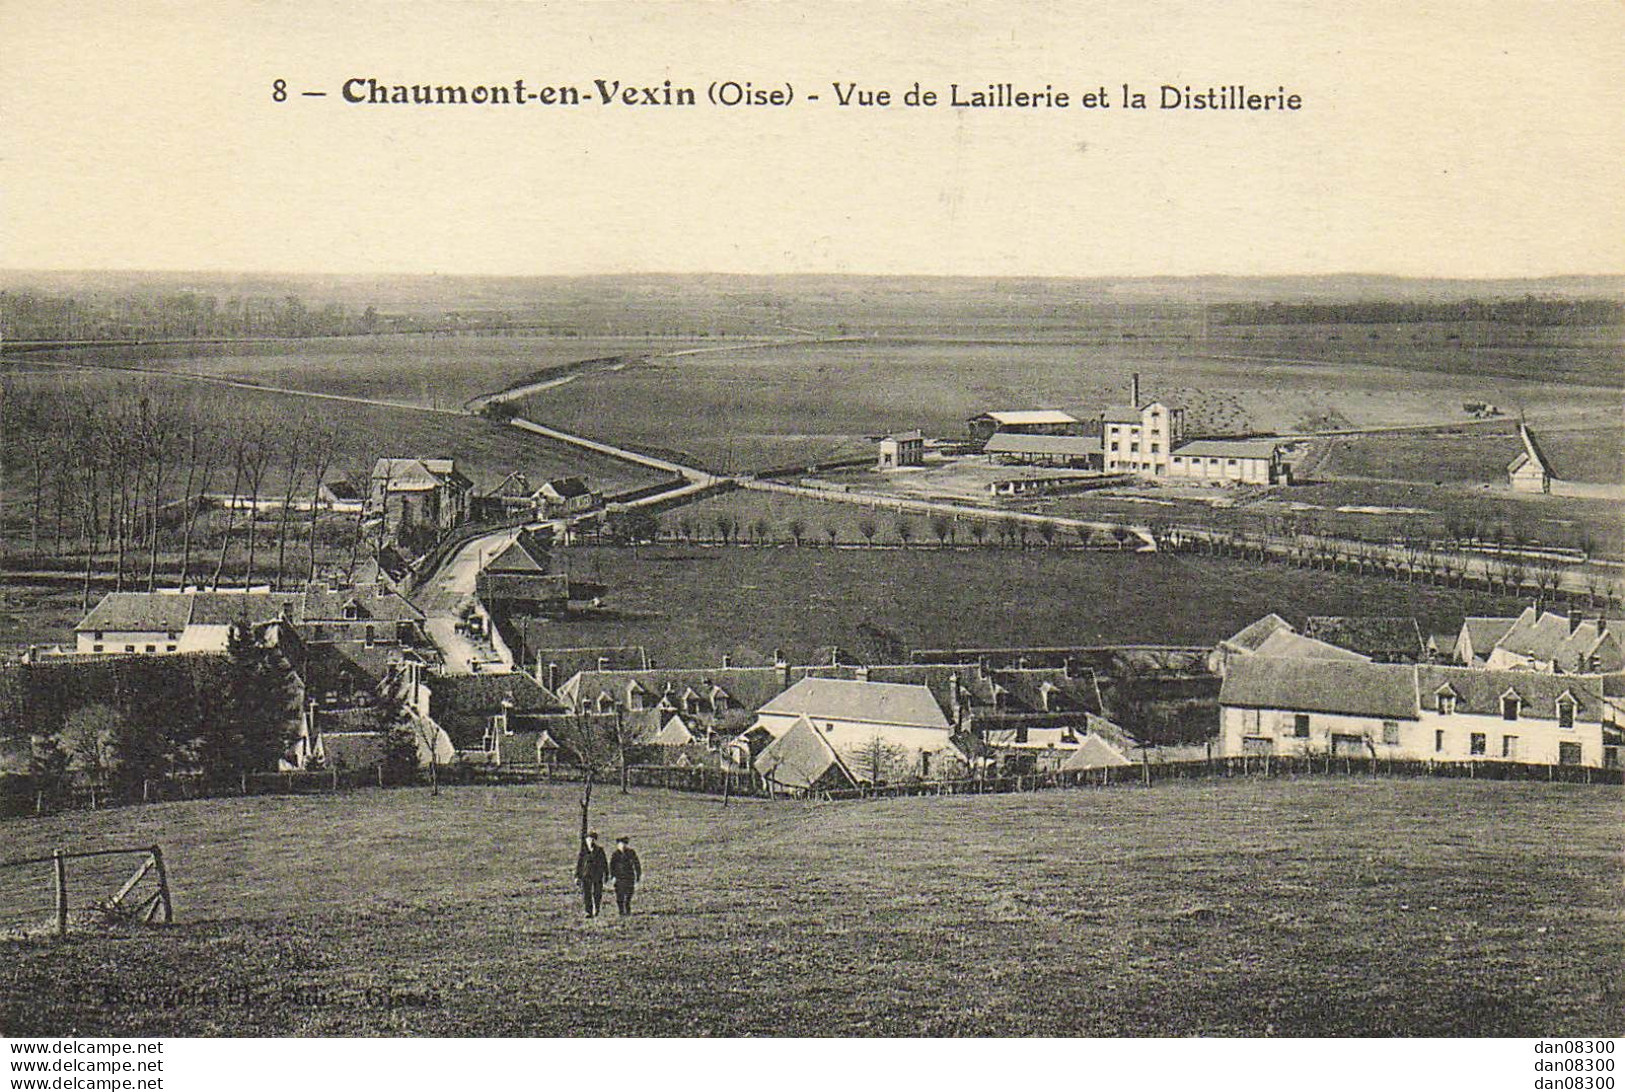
(1285, 645)
(1322, 686)
(567, 487)
(1251, 636)
(864, 702)
(464, 704)
(527, 553)
(746, 687)
(139, 611)
(1480, 691)
(802, 759)
(518, 586)
(1485, 632)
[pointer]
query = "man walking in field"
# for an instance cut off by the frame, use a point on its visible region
(591, 868)
(627, 870)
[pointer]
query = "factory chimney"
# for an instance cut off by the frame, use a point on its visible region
(1134, 392)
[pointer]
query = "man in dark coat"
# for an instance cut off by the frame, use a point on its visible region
(627, 870)
(591, 868)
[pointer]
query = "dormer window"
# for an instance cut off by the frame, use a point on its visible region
(1447, 703)
(352, 610)
(1511, 706)
(1565, 712)
(606, 703)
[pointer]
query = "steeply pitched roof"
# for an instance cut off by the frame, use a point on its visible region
(674, 733)
(896, 704)
(1387, 691)
(1532, 452)
(1285, 645)
(410, 474)
(1249, 637)
(1094, 753)
(1480, 691)
(1020, 443)
(525, 554)
(567, 488)
(803, 759)
(1483, 633)
(1378, 637)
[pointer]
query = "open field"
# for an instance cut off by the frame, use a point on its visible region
(438, 371)
(692, 605)
(1476, 454)
(1290, 908)
(759, 407)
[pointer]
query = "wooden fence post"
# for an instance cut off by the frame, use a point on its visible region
(60, 863)
(163, 884)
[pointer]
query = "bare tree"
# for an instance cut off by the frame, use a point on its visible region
(256, 462)
(239, 457)
(324, 443)
(197, 484)
(294, 439)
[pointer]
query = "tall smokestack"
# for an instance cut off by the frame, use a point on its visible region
(1134, 391)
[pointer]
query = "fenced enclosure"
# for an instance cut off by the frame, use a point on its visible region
(84, 889)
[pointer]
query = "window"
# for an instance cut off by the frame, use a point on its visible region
(1509, 746)
(1568, 754)
(1447, 704)
(1509, 706)
(371, 633)
(1300, 725)
(1476, 743)
(129, 648)
(169, 648)
(172, 635)
(1610, 757)
(1565, 713)
(1134, 448)
(1114, 445)
(1390, 733)
(1230, 462)
(1438, 739)
(1155, 447)
(98, 635)
(99, 648)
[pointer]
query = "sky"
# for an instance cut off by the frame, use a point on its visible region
(1447, 139)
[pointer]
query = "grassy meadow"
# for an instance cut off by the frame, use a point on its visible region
(691, 605)
(1288, 908)
(438, 371)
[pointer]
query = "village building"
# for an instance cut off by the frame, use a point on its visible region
(564, 497)
(514, 496)
(162, 623)
(881, 731)
(1414, 712)
(1569, 644)
(343, 495)
(802, 759)
(1531, 471)
(901, 449)
(414, 496)
(1016, 448)
(1228, 462)
(1027, 422)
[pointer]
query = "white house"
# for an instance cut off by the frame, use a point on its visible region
(1241, 462)
(1414, 712)
(1531, 471)
(161, 622)
(881, 731)
(902, 449)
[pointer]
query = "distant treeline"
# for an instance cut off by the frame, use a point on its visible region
(31, 316)
(1527, 311)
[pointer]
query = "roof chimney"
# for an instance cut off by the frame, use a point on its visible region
(603, 663)
(862, 673)
(835, 656)
(727, 661)
(778, 656)
(1575, 618)
(553, 677)
(1069, 667)
(1134, 391)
